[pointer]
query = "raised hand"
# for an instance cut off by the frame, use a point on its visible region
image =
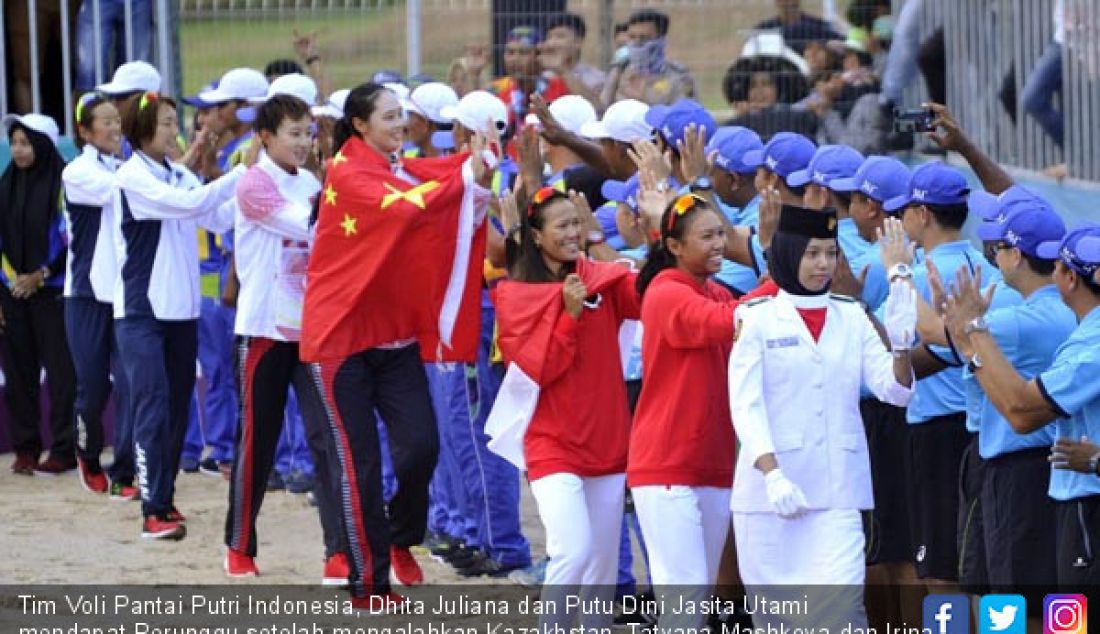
(646, 156)
(694, 161)
(896, 248)
(573, 293)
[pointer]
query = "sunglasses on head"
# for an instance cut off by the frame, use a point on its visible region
(683, 204)
(541, 196)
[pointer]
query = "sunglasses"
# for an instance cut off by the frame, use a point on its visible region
(683, 204)
(541, 196)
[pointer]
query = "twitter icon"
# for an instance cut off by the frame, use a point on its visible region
(1003, 614)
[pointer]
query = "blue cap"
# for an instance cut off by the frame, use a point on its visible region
(387, 76)
(1027, 225)
(625, 192)
(673, 121)
(199, 103)
(934, 184)
(443, 139)
(990, 207)
(829, 163)
(731, 143)
(1079, 250)
(785, 153)
(879, 178)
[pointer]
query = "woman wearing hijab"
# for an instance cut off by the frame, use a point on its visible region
(803, 473)
(32, 244)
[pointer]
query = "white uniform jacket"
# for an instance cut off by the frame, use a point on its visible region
(799, 399)
(90, 218)
(158, 209)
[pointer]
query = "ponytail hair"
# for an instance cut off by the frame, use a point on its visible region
(523, 259)
(360, 104)
(674, 224)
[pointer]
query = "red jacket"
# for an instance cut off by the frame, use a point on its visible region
(683, 434)
(582, 423)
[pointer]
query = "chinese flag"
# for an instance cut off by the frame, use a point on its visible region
(395, 260)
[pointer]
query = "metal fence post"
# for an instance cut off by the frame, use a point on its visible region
(66, 68)
(97, 39)
(3, 66)
(128, 22)
(32, 26)
(412, 37)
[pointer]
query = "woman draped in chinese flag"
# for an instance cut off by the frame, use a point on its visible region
(392, 280)
(559, 316)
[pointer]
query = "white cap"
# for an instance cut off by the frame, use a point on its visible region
(429, 100)
(132, 77)
(475, 108)
(623, 121)
(401, 90)
(37, 122)
(772, 44)
(572, 112)
(334, 107)
(238, 84)
(295, 84)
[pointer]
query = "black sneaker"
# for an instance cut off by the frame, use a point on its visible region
(639, 615)
(485, 566)
(463, 556)
(275, 481)
(298, 482)
(209, 466)
(442, 547)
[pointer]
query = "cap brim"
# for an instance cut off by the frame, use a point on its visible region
(1048, 250)
(986, 205)
(215, 96)
(896, 203)
(799, 178)
(195, 102)
(113, 89)
(246, 114)
(409, 106)
(595, 130)
(753, 158)
(327, 111)
(988, 231)
(444, 139)
(614, 190)
(844, 185)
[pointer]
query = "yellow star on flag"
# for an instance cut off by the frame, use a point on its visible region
(339, 158)
(349, 225)
(330, 195)
(414, 196)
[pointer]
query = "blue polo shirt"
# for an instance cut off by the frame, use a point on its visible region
(1028, 334)
(749, 215)
(733, 274)
(1072, 387)
(942, 393)
(847, 236)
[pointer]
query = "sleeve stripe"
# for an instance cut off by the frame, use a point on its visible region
(1050, 399)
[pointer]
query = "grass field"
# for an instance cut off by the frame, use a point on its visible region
(706, 35)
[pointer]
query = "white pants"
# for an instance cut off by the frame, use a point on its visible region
(685, 530)
(818, 556)
(583, 520)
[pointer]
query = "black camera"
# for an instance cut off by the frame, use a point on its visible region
(915, 120)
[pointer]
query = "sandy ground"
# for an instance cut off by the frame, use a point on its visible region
(56, 532)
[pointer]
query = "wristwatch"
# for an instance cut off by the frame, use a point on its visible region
(595, 237)
(1094, 464)
(900, 270)
(701, 184)
(975, 363)
(976, 325)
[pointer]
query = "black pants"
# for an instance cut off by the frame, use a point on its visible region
(159, 360)
(34, 338)
(265, 370)
(1078, 525)
(393, 382)
(973, 566)
(90, 325)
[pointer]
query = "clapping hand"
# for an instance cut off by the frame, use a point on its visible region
(896, 248)
(693, 158)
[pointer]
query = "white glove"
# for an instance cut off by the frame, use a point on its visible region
(785, 496)
(901, 315)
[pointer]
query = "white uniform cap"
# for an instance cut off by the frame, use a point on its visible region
(572, 112)
(238, 84)
(132, 77)
(37, 122)
(623, 121)
(475, 109)
(334, 107)
(295, 84)
(429, 100)
(401, 90)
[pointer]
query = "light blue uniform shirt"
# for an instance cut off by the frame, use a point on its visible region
(853, 244)
(1028, 334)
(1004, 296)
(1072, 385)
(734, 275)
(942, 393)
(633, 369)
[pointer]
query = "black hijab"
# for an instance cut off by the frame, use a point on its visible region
(29, 203)
(797, 226)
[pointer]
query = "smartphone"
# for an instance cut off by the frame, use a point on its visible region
(914, 120)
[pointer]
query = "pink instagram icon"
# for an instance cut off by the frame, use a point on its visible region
(1065, 614)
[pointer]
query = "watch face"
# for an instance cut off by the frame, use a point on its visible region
(595, 237)
(701, 183)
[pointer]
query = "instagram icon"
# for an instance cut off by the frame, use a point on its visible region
(1065, 614)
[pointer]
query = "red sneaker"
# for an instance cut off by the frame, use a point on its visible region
(336, 571)
(238, 564)
(405, 569)
(91, 477)
(121, 492)
(385, 603)
(162, 528)
(175, 515)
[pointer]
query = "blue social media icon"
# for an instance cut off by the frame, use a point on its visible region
(1003, 614)
(946, 614)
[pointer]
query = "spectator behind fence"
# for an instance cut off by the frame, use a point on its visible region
(47, 22)
(798, 28)
(32, 247)
(561, 54)
(1046, 80)
(763, 85)
(641, 71)
(111, 26)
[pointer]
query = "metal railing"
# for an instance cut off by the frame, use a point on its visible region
(163, 51)
(990, 44)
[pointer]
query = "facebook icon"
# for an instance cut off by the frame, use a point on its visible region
(946, 614)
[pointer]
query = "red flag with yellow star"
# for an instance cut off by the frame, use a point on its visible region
(394, 260)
